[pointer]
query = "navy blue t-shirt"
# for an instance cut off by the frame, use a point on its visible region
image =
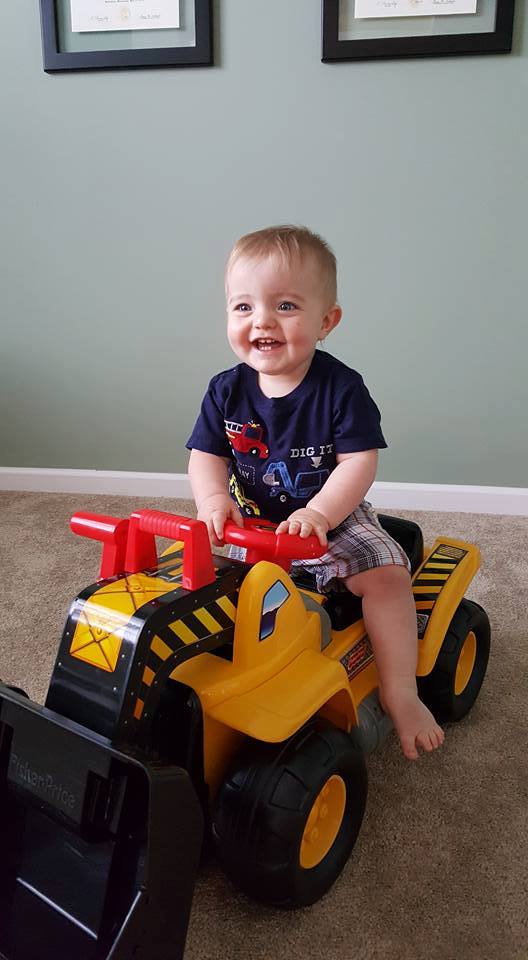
(282, 449)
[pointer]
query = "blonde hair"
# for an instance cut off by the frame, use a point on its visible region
(289, 242)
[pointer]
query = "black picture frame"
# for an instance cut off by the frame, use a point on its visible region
(55, 59)
(450, 44)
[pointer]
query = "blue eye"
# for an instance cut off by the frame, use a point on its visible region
(242, 307)
(286, 305)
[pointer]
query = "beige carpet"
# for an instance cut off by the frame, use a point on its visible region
(440, 869)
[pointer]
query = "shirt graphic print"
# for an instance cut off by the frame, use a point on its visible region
(281, 450)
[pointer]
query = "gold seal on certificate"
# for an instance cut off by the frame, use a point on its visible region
(94, 15)
(412, 8)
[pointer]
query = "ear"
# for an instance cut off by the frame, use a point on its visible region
(330, 320)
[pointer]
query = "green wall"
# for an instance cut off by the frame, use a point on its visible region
(123, 190)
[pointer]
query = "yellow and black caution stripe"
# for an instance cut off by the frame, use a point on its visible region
(125, 635)
(431, 579)
(205, 621)
(109, 606)
(205, 628)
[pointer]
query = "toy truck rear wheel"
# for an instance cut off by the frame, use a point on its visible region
(287, 818)
(453, 685)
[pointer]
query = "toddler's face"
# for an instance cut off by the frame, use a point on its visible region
(276, 313)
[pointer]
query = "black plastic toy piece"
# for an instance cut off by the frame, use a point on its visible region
(95, 863)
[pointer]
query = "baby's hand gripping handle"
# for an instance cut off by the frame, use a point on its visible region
(262, 543)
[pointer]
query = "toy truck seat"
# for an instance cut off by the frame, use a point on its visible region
(342, 606)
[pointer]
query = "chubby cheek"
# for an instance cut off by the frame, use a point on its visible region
(300, 337)
(238, 337)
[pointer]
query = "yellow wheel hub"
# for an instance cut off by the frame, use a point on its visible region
(466, 662)
(323, 822)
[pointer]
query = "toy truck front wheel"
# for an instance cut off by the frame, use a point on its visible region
(287, 819)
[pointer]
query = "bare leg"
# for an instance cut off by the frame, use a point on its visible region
(390, 618)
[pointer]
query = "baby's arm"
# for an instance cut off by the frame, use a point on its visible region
(209, 482)
(338, 497)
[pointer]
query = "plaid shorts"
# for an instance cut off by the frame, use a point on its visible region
(358, 544)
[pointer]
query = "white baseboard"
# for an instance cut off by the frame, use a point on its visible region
(451, 498)
(109, 482)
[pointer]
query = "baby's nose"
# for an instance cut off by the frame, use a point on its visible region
(265, 319)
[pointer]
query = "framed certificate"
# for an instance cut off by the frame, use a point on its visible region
(370, 29)
(101, 34)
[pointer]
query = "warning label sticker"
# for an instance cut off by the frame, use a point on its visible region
(358, 657)
(454, 552)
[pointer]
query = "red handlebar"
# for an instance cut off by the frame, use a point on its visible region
(111, 531)
(129, 545)
(262, 543)
(198, 568)
(162, 524)
(96, 526)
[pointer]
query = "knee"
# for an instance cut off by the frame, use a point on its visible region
(380, 581)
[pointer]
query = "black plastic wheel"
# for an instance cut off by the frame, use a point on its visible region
(453, 685)
(260, 825)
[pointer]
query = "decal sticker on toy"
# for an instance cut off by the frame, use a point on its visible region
(169, 568)
(98, 636)
(271, 604)
(172, 574)
(357, 658)
(454, 552)
(422, 619)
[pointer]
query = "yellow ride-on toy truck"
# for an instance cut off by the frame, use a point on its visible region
(191, 689)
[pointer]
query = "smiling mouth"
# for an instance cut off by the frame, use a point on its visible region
(266, 343)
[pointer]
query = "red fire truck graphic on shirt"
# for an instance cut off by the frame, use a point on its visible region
(246, 438)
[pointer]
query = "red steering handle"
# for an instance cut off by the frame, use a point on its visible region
(198, 568)
(113, 534)
(262, 543)
(129, 545)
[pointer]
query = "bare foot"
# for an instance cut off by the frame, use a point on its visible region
(414, 723)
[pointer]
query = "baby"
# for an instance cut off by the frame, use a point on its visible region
(293, 427)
